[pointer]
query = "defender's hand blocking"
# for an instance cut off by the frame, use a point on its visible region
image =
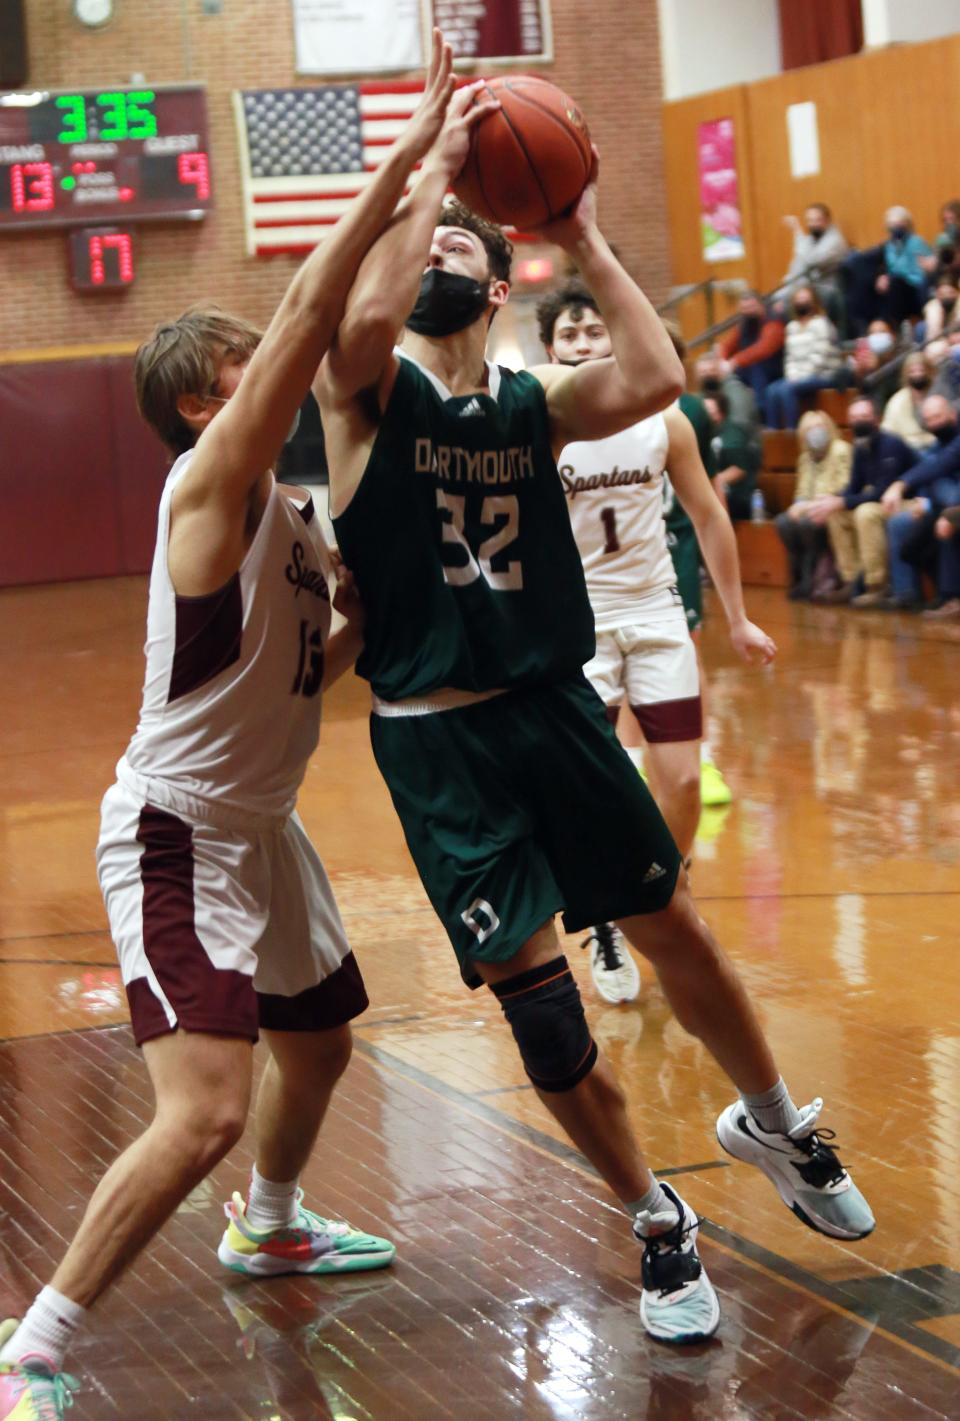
(452, 146)
(752, 644)
(424, 127)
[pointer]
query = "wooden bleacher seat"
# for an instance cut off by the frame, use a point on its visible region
(779, 450)
(763, 558)
(778, 472)
(834, 403)
(777, 489)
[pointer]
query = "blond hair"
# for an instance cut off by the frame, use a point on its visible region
(183, 357)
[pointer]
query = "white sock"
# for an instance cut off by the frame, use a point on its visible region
(269, 1205)
(653, 1202)
(773, 1110)
(46, 1330)
(635, 753)
(706, 752)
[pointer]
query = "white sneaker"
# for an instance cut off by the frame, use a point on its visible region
(615, 974)
(678, 1303)
(807, 1172)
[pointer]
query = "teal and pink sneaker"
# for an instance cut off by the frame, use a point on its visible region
(311, 1244)
(30, 1390)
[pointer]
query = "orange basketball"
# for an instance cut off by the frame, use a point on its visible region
(530, 159)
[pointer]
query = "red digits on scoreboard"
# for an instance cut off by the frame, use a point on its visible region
(120, 243)
(31, 187)
(194, 168)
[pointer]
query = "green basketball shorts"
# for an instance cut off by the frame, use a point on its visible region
(685, 552)
(521, 806)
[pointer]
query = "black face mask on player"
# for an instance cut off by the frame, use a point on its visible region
(447, 303)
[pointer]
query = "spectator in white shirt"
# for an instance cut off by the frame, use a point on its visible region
(811, 361)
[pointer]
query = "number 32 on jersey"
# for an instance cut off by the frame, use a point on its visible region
(500, 514)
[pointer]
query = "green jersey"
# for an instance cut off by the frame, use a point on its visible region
(460, 543)
(673, 511)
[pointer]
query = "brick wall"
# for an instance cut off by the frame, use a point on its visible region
(607, 57)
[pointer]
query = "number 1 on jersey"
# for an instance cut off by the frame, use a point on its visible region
(608, 517)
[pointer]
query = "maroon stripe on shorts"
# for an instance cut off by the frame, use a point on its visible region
(146, 1012)
(204, 997)
(671, 720)
(332, 1002)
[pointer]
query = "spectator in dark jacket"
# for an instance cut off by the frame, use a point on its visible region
(914, 504)
(856, 518)
(753, 350)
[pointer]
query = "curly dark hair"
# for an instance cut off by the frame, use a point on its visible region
(499, 250)
(572, 296)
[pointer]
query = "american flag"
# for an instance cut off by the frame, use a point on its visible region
(306, 153)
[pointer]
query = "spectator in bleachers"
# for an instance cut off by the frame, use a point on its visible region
(811, 361)
(736, 457)
(947, 530)
(856, 517)
(902, 414)
(927, 489)
(753, 349)
(946, 244)
(941, 319)
(873, 353)
(823, 468)
(888, 281)
(903, 283)
(818, 255)
(709, 379)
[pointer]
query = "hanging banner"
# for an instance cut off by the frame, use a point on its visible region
(507, 31)
(720, 216)
(358, 36)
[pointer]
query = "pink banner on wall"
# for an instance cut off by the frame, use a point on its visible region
(720, 218)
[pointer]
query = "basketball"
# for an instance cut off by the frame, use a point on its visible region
(529, 161)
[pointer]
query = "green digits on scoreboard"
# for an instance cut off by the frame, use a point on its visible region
(121, 116)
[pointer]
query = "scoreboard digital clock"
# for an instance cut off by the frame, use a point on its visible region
(128, 155)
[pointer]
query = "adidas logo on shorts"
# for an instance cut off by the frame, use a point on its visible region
(653, 873)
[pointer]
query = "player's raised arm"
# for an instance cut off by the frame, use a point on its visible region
(715, 536)
(388, 282)
(643, 376)
(245, 438)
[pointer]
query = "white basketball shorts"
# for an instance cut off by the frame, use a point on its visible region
(650, 659)
(218, 929)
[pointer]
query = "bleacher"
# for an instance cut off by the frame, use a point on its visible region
(763, 560)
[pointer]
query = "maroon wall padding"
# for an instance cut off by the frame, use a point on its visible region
(80, 475)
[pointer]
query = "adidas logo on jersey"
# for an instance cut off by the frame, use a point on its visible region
(472, 409)
(653, 873)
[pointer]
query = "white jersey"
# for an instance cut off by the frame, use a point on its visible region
(231, 700)
(615, 492)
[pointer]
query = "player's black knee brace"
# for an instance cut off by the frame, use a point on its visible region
(546, 1017)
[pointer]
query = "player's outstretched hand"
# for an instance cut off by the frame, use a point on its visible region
(752, 644)
(570, 229)
(424, 127)
(466, 110)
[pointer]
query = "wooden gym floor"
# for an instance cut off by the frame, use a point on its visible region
(834, 880)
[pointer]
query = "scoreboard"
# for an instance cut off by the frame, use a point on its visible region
(96, 156)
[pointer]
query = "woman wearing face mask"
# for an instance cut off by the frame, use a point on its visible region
(874, 352)
(941, 317)
(823, 467)
(902, 414)
(811, 361)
